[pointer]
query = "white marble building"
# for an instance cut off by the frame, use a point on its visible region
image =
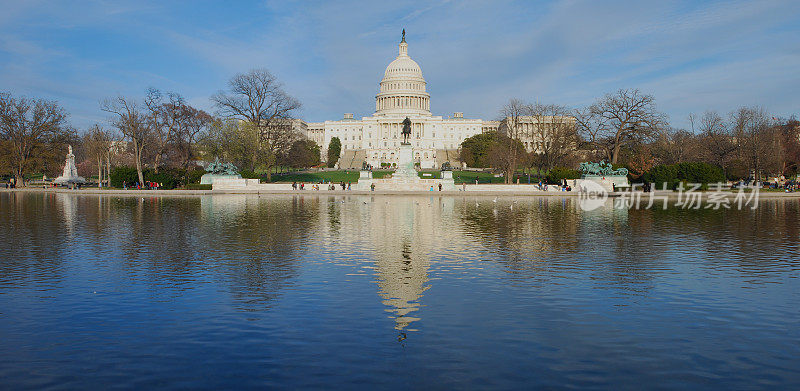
(376, 139)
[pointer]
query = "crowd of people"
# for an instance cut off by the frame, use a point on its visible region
(148, 185)
(317, 186)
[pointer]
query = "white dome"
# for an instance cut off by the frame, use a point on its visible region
(402, 89)
(403, 67)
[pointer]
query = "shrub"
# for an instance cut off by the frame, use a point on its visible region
(195, 175)
(557, 174)
(688, 172)
(699, 172)
(661, 174)
(249, 174)
(123, 174)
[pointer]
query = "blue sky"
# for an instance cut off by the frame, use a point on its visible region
(475, 55)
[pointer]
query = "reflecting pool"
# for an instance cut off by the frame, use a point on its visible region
(391, 292)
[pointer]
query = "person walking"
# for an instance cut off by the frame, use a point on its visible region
(440, 187)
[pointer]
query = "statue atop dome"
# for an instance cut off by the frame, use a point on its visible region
(404, 36)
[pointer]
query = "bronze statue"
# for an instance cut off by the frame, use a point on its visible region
(406, 130)
(404, 36)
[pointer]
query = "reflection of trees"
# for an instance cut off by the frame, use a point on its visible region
(254, 242)
(540, 240)
(32, 239)
(627, 249)
(746, 240)
(526, 234)
(173, 244)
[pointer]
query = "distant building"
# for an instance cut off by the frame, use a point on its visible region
(534, 131)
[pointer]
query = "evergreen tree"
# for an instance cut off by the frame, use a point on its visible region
(334, 150)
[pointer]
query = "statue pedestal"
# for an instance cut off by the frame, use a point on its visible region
(208, 179)
(364, 180)
(608, 182)
(447, 181)
(405, 164)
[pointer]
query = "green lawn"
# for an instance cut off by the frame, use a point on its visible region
(470, 177)
(314, 177)
(352, 176)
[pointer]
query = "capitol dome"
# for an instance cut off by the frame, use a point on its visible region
(402, 89)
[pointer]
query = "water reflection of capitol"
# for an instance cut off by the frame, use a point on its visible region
(401, 232)
(404, 233)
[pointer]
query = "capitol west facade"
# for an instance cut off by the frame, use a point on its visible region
(376, 139)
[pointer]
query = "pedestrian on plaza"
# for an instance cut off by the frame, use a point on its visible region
(372, 187)
(440, 187)
(349, 184)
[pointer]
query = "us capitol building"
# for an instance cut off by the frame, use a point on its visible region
(376, 139)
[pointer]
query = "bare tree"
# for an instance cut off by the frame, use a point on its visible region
(165, 112)
(132, 122)
(675, 146)
(717, 144)
(619, 119)
(789, 133)
(195, 123)
(28, 125)
(506, 154)
(97, 143)
(553, 135)
(756, 140)
(258, 98)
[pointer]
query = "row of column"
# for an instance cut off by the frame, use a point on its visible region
(390, 130)
(403, 102)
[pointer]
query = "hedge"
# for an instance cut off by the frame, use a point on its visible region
(557, 174)
(689, 172)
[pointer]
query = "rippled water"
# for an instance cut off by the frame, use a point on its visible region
(360, 292)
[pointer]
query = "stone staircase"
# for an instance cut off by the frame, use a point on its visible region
(352, 159)
(447, 155)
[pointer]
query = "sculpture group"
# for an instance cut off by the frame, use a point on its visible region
(218, 168)
(601, 169)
